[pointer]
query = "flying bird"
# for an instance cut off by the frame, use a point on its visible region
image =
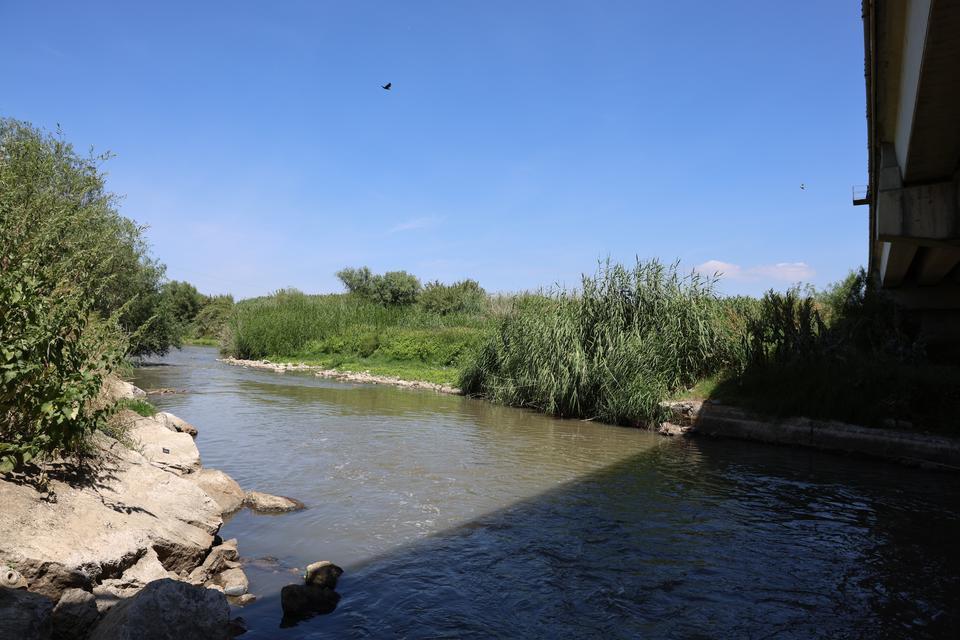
(387, 86)
(803, 187)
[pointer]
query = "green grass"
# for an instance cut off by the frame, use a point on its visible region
(141, 407)
(348, 333)
(200, 342)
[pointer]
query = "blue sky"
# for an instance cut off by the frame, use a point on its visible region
(522, 141)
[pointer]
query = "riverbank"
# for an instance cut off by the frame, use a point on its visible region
(364, 377)
(80, 539)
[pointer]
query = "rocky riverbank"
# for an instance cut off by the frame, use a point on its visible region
(85, 549)
(344, 376)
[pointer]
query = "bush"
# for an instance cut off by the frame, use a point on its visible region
(358, 281)
(611, 351)
(212, 317)
(396, 288)
(391, 288)
(466, 296)
(73, 275)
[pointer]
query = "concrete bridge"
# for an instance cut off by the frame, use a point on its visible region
(912, 60)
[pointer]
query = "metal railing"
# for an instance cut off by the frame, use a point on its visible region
(861, 194)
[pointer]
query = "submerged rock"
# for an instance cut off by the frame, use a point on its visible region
(24, 615)
(323, 574)
(74, 614)
(300, 601)
(167, 609)
(266, 503)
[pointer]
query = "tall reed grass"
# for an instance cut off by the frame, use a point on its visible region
(610, 350)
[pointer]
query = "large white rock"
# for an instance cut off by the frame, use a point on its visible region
(222, 488)
(175, 423)
(116, 389)
(167, 449)
(167, 609)
(102, 525)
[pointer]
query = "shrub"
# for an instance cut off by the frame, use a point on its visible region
(77, 290)
(396, 288)
(466, 296)
(611, 351)
(391, 288)
(358, 281)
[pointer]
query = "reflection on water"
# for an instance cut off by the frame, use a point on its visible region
(457, 518)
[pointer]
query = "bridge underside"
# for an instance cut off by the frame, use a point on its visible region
(913, 105)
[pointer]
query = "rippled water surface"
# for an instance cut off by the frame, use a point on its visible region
(455, 518)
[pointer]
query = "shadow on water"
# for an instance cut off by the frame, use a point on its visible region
(458, 518)
(694, 539)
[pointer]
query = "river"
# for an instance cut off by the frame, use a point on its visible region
(456, 518)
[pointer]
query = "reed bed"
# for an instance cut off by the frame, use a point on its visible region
(611, 350)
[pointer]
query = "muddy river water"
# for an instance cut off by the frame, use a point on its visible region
(456, 518)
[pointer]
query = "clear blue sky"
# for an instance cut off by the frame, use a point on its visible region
(522, 141)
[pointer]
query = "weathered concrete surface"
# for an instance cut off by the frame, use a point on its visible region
(97, 527)
(221, 487)
(924, 450)
(164, 610)
(24, 615)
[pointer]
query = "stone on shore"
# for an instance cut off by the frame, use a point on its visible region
(115, 389)
(99, 528)
(74, 614)
(25, 615)
(169, 450)
(266, 503)
(220, 558)
(146, 570)
(670, 429)
(323, 574)
(222, 488)
(234, 581)
(177, 424)
(167, 609)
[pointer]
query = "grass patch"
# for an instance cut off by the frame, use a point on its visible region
(138, 406)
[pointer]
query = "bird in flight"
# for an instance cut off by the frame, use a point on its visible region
(387, 86)
(803, 187)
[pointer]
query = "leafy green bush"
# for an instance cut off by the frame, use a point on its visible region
(391, 288)
(77, 290)
(212, 317)
(466, 296)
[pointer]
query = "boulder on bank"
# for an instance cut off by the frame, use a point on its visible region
(164, 448)
(179, 425)
(104, 522)
(266, 503)
(74, 614)
(167, 609)
(115, 389)
(222, 488)
(146, 570)
(25, 615)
